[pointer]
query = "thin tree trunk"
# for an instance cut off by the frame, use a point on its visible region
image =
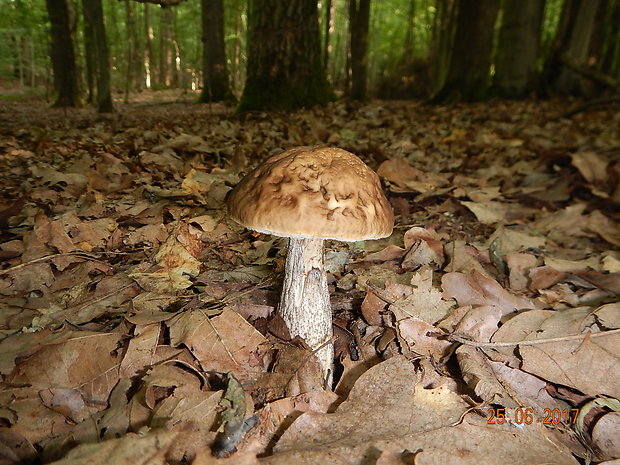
(215, 86)
(130, 51)
(328, 26)
(359, 18)
(164, 47)
(237, 71)
(284, 68)
(63, 54)
(442, 39)
(175, 52)
(610, 58)
(149, 58)
(89, 60)
(409, 47)
(93, 15)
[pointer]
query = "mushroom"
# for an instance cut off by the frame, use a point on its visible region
(310, 194)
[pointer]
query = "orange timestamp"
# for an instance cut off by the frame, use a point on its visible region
(528, 416)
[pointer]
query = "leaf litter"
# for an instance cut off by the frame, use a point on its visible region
(139, 324)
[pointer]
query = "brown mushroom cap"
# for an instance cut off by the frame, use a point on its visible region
(325, 193)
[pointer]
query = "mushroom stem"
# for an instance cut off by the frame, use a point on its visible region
(304, 305)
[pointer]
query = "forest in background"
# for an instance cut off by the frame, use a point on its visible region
(448, 50)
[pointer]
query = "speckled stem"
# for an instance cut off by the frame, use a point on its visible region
(305, 306)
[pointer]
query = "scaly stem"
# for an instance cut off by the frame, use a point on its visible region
(304, 305)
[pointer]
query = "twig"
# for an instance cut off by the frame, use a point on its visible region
(587, 106)
(574, 337)
(51, 257)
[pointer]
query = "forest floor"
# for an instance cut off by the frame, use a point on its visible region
(137, 321)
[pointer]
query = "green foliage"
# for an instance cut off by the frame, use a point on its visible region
(24, 41)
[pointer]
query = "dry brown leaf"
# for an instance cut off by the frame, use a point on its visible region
(475, 289)
(583, 364)
(510, 240)
(543, 277)
(67, 402)
(372, 307)
(140, 351)
(15, 449)
(423, 248)
(519, 266)
(389, 409)
(606, 436)
(86, 361)
(295, 371)
(591, 166)
(424, 301)
(479, 323)
(528, 391)
(399, 171)
(490, 212)
(604, 227)
(463, 257)
(278, 415)
(480, 377)
(131, 449)
(223, 343)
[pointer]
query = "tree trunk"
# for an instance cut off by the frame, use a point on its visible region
(444, 26)
(610, 59)
(215, 85)
(165, 20)
(328, 27)
(175, 52)
(519, 38)
(89, 60)
(359, 17)
(577, 48)
(130, 51)
(409, 44)
(63, 54)
(572, 40)
(284, 68)
(470, 59)
(149, 56)
(93, 16)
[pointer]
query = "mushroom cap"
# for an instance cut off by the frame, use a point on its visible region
(313, 192)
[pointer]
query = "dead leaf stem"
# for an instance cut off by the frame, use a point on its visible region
(51, 257)
(574, 337)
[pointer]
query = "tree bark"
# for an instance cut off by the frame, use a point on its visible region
(165, 20)
(444, 26)
(359, 18)
(327, 33)
(577, 48)
(63, 54)
(519, 38)
(572, 43)
(133, 72)
(610, 58)
(93, 16)
(284, 68)
(89, 60)
(150, 70)
(305, 306)
(409, 43)
(470, 60)
(215, 84)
